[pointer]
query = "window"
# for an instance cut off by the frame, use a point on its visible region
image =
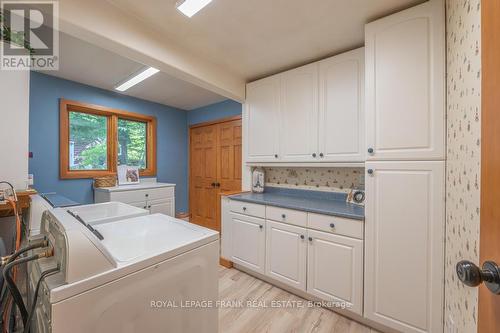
(95, 139)
(132, 143)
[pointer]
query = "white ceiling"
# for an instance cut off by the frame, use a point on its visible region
(256, 38)
(88, 64)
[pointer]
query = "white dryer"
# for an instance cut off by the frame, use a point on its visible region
(149, 273)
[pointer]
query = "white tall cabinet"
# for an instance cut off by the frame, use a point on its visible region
(311, 114)
(404, 210)
(405, 84)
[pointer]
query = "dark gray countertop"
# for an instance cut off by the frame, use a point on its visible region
(328, 203)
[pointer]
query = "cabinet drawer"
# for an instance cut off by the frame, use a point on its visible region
(146, 194)
(284, 215)
(336, 225)
(248, 208)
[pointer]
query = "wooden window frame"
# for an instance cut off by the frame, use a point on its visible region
(67, 106)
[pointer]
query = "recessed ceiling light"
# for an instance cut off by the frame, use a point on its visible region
(148, 72)
(191, 7)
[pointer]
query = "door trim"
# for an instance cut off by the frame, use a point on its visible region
(214, 122)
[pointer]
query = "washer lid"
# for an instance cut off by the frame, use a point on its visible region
(147, 236)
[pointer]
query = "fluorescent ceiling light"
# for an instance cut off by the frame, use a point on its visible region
(137, 78)
(191, 7)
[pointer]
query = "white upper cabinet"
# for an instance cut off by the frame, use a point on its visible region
(262, 119)
(341, 131)
(311, 114)
(405, 86)
(299, 114)
(404, 245)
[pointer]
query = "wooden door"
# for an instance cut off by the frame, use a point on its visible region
(262, 113)
(341, 108)
(229, 155)
(405, 87)
(489, 304)
(286, 253)
(215, 167)
(299, 114)
(339, 282)
(203, 175)
(404, 245)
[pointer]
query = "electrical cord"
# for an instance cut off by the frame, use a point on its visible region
(16, 295)
(35, 297)
(36, 244)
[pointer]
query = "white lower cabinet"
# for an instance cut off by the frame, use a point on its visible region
(335, 269)
(248, 242)
(162, 206)
(286, 253)
(404, 239)
(326, 263)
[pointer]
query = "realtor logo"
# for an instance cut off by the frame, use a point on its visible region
(30, 35)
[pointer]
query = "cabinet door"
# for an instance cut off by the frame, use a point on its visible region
(405, 87)
(262, 119)
(404, 237)
(286, 251)
(299, 114)
(162, 206)
(335, 269)
(341, 108)
(248, 242)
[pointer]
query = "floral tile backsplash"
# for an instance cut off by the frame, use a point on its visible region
(319, 179)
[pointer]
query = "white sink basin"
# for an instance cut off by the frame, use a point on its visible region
(106, 212)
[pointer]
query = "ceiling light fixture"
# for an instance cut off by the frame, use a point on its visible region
(191, 7)
(143, 75)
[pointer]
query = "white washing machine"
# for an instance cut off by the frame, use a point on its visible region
(149, 273)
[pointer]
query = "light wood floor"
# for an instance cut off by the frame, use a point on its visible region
(238, 286)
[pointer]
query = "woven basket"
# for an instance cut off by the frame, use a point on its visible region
(108, 181)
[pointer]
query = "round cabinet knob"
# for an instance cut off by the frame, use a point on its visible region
(321, 155)
(261, 226)
(147, 195)
(213, 184)
(145, 207)
(302, 237)
(149, 206)
(370, 150)
(332, 225)
(244, 208)
(314, 154)
(283, 215)
(370, 171)
(310, 239)
(275, 155)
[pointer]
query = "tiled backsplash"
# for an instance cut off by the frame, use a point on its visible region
(320, 179)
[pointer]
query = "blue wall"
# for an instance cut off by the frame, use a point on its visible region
(215, 111)
(45, 92)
